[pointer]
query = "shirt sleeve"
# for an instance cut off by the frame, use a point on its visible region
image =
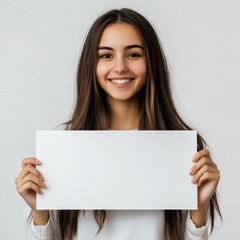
(50, 231)
(42, 232)
(194, 233)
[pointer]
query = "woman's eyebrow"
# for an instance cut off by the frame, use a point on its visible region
(134, 46)
(127, 47)
(105, 48)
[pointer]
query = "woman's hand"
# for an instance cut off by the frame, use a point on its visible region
(30, 181)
(206, 175)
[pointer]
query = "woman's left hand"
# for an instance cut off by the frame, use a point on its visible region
(206, 175)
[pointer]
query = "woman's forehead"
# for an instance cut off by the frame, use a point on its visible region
(120, 33)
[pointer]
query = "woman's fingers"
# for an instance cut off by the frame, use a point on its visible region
(200, 154)
(26, 170)
(30, 181)
(23, 189)
(32, 161)
(200, 163)
(208, 176)
(205, 169)
(31, 178)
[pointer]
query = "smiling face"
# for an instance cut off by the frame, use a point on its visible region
(121, 66)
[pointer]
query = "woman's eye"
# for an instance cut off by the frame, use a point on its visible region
(134, 55)
(106, 56)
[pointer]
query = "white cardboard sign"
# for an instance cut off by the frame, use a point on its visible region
(116, 169)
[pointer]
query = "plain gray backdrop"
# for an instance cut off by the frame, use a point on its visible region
(40, 43)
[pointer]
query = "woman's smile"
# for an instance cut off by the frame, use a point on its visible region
(121, 82)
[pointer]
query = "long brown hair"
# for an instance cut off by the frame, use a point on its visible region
(92, 111)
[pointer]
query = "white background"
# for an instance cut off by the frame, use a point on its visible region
(40, 42)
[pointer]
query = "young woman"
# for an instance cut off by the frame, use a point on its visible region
(123, 83)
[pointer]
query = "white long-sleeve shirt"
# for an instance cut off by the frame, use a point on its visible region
(121, 225)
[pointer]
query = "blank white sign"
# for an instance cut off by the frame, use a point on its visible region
(117, 169)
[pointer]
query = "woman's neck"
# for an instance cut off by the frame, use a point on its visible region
(125, 114)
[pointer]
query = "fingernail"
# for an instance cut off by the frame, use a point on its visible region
(194, 158)
(193, 181)
(37, 161)
(191, 172)
(44, 185)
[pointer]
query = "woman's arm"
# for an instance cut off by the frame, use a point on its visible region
(40, 217)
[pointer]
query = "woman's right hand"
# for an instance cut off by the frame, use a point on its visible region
(30, 181)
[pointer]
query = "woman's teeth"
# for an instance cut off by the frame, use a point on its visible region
(120, 81)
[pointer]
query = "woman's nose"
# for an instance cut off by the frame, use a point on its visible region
(120, 65)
